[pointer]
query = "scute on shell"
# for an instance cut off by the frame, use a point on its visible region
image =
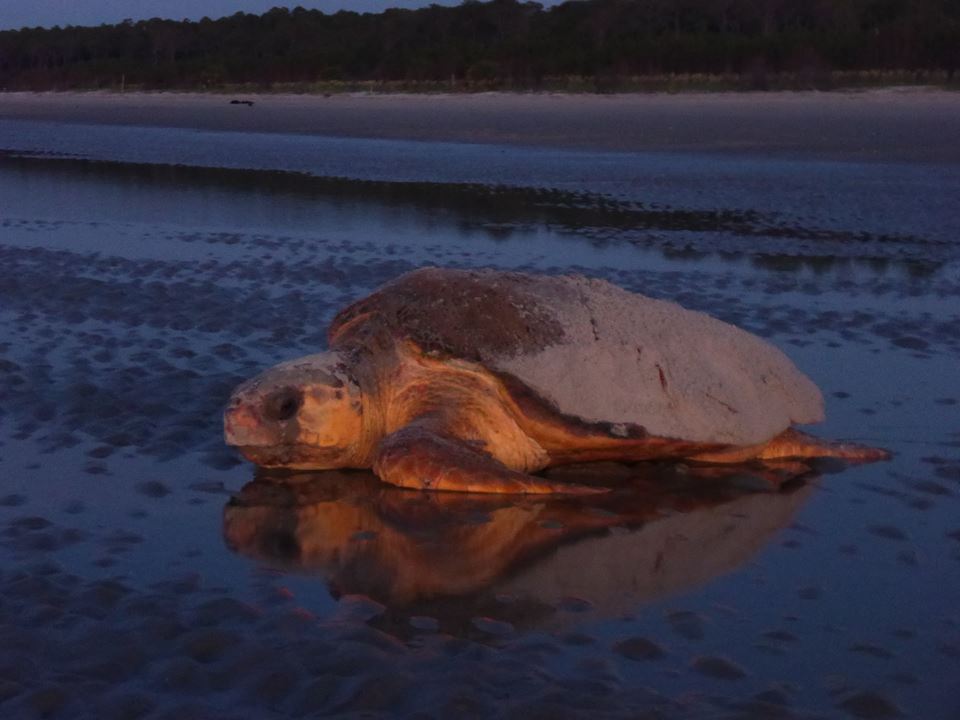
(469, 315)
(596, 351)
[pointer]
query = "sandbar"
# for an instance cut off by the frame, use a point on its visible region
(887, 125)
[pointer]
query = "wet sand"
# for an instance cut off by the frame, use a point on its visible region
(147, 572)
(908, 124)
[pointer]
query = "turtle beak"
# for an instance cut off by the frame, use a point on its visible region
(242, 425)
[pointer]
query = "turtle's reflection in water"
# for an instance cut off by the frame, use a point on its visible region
(663, 529)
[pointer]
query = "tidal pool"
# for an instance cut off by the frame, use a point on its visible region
(147, 572)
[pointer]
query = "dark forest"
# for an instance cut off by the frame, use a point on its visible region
(499, 44)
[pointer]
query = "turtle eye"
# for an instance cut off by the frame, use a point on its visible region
(283, 404)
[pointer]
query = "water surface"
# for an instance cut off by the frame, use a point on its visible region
(147, 572)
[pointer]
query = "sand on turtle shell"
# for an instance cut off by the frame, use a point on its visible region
(596, 351)
(627, 358)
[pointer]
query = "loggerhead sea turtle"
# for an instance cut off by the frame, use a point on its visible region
(470, 380)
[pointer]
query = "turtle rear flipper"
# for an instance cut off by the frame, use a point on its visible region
(424, 458)
(793, 444)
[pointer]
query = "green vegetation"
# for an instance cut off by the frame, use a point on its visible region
(593, 45)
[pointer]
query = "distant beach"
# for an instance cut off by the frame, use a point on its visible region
(888, 125)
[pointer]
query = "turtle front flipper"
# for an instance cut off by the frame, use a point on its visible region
(424, 458)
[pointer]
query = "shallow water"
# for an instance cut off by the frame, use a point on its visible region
(145, 574)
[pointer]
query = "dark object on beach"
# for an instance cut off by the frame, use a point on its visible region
(470, 380)
(248, 103)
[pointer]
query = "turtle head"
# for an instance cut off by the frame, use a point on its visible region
(304, 414)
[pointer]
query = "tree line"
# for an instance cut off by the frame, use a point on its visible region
(495, 44)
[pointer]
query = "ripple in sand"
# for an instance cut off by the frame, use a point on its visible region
(930, 487)
(718, 667)
(122, 538)
(126, 706)
(9, 689)
(209, 644)
(358, 608)
(870, 706)
(639, 648)
(224, 610)
(577, 639)
(910, 343)
(49, 701)
(424, 623)
(949, 650)
(904, 678)
(316, 696)
(887, 532)
(490, 626)
(773, 696)
(212, 487)
(183, 674)
(871, 650)
(687, 624)
(910, 558)
(153, 489)
(948, 472)
(381, 693)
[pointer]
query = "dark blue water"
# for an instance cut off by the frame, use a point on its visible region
(146, 271)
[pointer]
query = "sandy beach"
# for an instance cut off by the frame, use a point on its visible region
(156, 250)
(889, 125)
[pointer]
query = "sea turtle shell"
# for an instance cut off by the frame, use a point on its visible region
(593, 351)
